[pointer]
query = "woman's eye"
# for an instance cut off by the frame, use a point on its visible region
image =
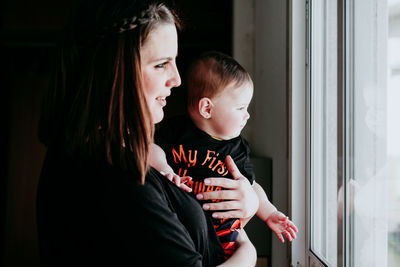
(161, 66)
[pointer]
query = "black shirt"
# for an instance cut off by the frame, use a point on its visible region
(92, 214)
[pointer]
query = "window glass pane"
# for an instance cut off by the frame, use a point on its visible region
(393, 133)
(323, 132)
(373, 132)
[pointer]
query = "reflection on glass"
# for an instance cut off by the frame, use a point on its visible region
(393, 133)
(373, 132)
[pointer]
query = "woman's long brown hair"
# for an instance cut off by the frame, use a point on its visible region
(95, 105)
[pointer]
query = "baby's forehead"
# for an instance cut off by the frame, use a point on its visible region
(236, 93)
(236, 88)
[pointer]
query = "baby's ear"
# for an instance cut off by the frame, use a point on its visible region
(205, 106)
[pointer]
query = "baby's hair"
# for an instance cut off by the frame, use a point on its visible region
(211, 73)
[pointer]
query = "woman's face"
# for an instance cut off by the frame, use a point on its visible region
(159, 71)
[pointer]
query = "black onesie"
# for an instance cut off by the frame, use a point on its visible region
(192, 152)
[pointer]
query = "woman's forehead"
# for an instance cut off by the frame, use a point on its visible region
(161, 43)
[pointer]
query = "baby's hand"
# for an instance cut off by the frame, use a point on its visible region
(281, 225)
(179, 181)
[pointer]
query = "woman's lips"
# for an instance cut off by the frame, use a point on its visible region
(162, 101)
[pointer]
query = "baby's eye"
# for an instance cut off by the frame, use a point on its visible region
(241, 108)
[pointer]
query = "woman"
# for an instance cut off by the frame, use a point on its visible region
(99, 203)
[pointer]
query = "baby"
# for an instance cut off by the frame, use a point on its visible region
(190, 149)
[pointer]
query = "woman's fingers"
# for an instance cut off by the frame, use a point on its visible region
(228, 214)
(227, 205)
(223, 194)
(222, 182)
(232, 168)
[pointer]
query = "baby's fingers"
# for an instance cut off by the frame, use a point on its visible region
(176, 180)
(292, 233)
(280, 237)
(288, 236)
(292, 226)
(185, 179)
(283, 218)
(172, 177)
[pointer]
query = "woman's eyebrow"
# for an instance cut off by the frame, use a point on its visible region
(162, 59)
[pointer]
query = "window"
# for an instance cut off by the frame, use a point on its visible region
(353, 131)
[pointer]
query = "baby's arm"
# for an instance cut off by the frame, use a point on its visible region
(276, 220)
(158, 160)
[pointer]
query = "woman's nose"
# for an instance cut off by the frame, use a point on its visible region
(175, 78)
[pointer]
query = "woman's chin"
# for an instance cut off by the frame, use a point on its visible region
(158, 117)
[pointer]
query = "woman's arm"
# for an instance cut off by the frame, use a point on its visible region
(245, 254)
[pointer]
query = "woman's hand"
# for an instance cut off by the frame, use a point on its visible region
(240, 199)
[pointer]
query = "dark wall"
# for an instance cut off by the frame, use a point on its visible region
(28, 32)
(207, 26)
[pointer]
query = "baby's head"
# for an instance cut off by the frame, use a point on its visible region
(219, 93)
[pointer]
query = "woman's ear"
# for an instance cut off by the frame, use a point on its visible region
(205, 107)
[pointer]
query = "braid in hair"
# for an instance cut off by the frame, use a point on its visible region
(127, 24)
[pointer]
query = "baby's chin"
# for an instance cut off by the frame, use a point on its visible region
(234, 135)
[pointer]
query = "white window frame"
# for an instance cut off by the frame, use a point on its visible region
(299, 170)
(298, 55)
